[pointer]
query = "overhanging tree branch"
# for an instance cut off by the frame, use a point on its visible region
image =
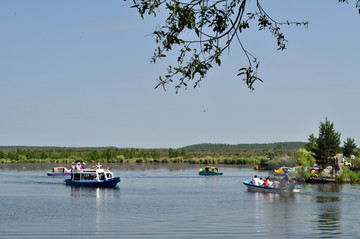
(212, 27)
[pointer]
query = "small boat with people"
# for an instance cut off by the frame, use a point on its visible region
(93, 177)
(267, 186)
(258, 188)
(59, 171)
(210, 170)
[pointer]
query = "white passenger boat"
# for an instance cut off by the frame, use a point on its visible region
(93, 177)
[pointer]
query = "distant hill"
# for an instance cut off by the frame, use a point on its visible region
(205, 146)
(269, 146)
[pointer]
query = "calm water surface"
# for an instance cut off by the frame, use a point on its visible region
(170, 201)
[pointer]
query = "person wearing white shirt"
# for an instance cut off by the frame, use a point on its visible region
(255, 180)
(261, 182)
(78, 166)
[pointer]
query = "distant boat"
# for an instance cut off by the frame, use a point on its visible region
(257, 188)
(292, 171)
(209, 170)
(97, 177)
(59, 171)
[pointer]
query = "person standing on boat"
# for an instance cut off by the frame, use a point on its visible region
(285, 181)
(78, 166)
(286, 178)
(83, 165)
(72, 166)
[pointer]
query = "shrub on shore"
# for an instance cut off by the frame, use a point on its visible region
(242, 161)
(306, 175)
(348, 175)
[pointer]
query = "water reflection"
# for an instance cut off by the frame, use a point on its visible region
(208, 180)
(272, 197)
(97, 206)
(273, 213)
(329, 201)
(89, 192)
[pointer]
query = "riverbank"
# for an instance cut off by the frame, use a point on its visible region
(132, 155)
(165, 160)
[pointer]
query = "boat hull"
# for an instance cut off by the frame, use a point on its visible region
(58, 174)
(210, 174)
(257, 188)
(110, 183)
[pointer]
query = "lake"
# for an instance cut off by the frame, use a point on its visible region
(170, 201)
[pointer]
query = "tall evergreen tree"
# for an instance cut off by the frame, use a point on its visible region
(311, 146)
(349, 147)
(328, 142)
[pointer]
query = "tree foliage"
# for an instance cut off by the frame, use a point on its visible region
(311, 146)
(304, 158)
(349, 147)
(326, 145)
(264, 146)
(276, 153)
(203, 30)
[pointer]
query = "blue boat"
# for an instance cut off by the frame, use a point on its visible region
(93, 177)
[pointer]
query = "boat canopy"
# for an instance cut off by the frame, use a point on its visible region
(60, 170)
(210, 169)
(92, 174)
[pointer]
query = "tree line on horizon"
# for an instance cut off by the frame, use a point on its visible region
(254, 146)
(203, 146)
(33, 154)
(115, 155)
(317, 149)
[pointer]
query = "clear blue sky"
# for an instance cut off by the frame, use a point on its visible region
(78, 73)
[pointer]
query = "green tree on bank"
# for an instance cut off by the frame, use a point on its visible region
(304, 158)
(326, 145)
(349, 147)
(276, 153)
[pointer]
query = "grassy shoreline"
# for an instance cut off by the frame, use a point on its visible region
(252, 160)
